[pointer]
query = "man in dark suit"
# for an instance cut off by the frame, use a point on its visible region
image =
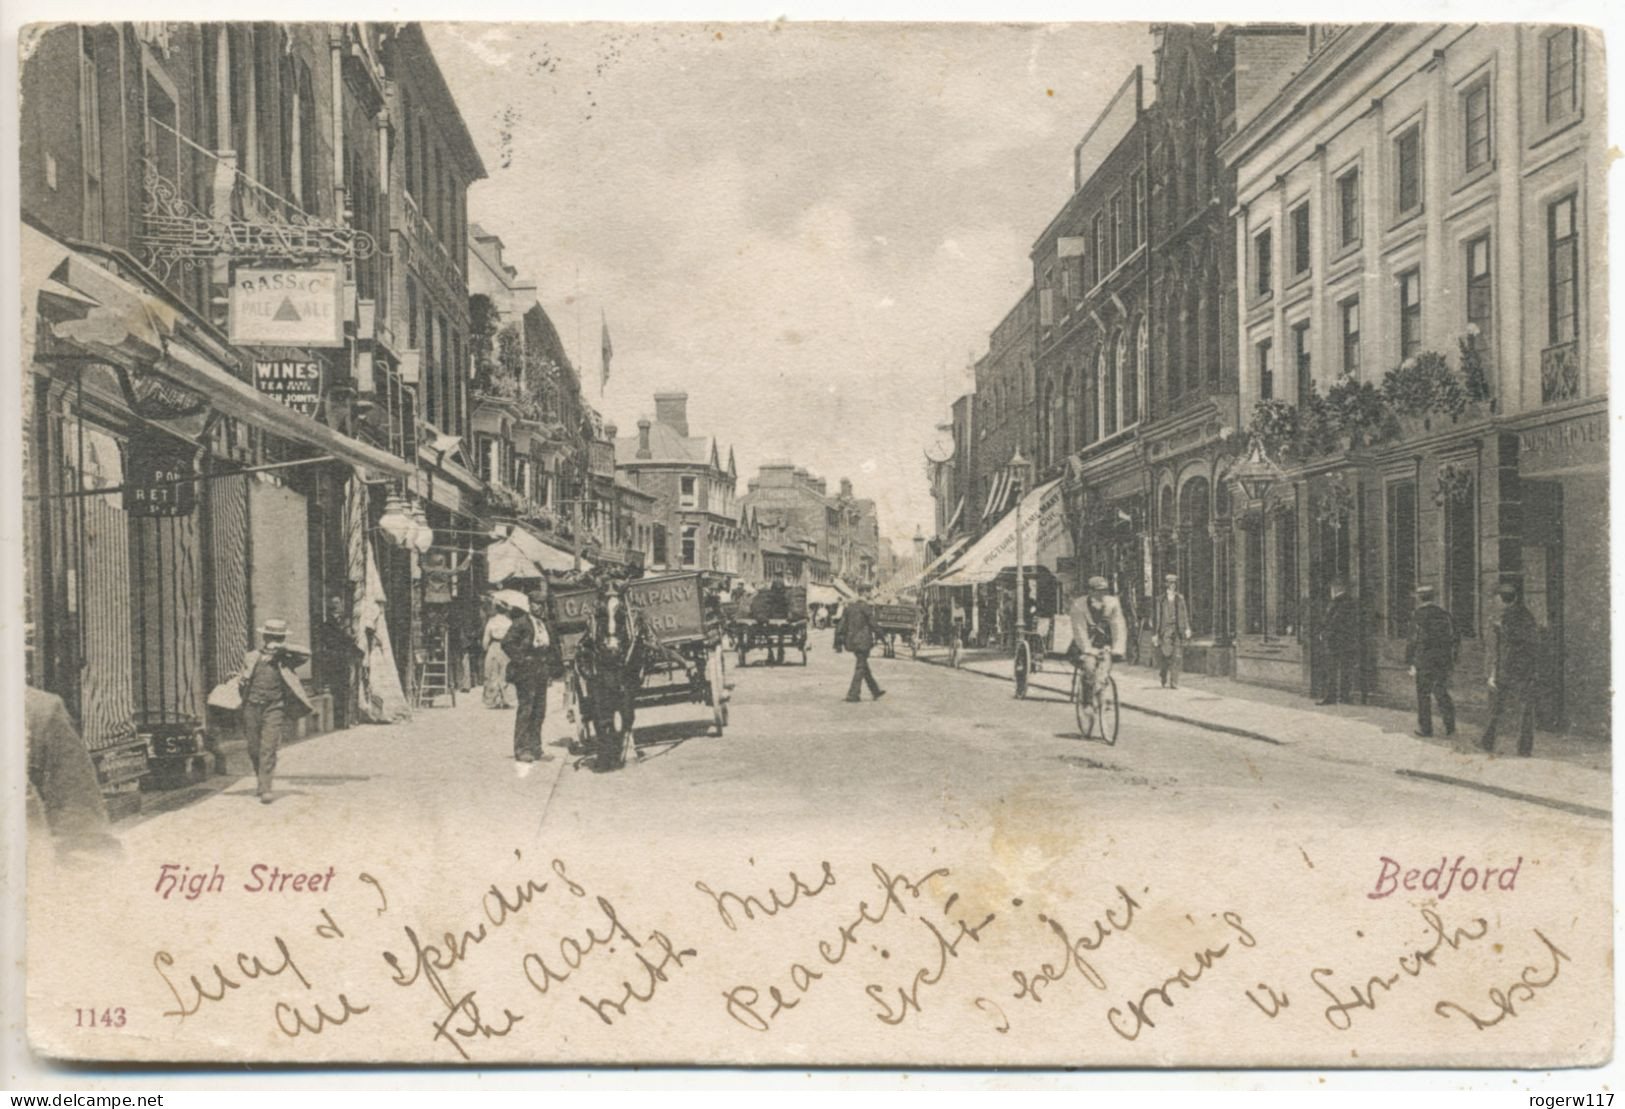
(1514, 656)
(1171, 624)
(526, 645)
(1340, 633)
(1431, 655)
(857, 634)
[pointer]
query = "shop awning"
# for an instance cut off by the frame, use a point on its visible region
(954, 519)
(1044, 539)
(936, 565)
(523, 555)
(126, 323)
(822, 595)
(845, 590)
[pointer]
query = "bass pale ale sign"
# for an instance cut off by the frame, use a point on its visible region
(285, 306)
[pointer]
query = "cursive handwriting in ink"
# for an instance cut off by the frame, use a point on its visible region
(655, 972)
(382, 897)
(543, 975)
(1339, 1014)
(1522, 991)
(249, 968)
(286, 1014)
(1183, 978)
(909, 999)
(750, 904)
(1277, 1001)
(988, 1005)
(1029, 986)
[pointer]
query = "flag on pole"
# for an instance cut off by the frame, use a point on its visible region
(608, 352)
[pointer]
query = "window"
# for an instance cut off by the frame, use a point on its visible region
(1097, 251)
(1120, 246)
(1461, 561)
(1067, 292)
(1103, 244)
(90, 124)
(1480, 295)
(426, 369)
(1410, 313)
(1351, 336)
(411, 313)
(1286, 572)
(1401, 556)
(1108, 390)
(1261, 264)
(688, 498)
(1562, 273)
(1408, 170)
(1255, 576)
(1475, 125)
(1348, 208)
(1300, 357)
(1266, 379)
(1562, 65)
(658, 545)
(1300, 239)
(1136, 215)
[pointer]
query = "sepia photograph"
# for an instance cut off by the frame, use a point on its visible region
(813, 544)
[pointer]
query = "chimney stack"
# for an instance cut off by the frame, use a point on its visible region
(643, 440)
(610, 431)
(846, 487)
(671, 409)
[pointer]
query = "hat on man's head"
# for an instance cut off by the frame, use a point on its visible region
(274, 629)
(1507, 588)
(1424, 593)
(538, 596)
(1098, 582)
(1170, 577)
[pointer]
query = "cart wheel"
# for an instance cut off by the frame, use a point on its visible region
(1024, 665)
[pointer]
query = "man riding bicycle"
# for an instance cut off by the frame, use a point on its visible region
(1099, 634)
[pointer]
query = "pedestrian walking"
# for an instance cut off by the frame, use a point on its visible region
(1340, 635)
(1514, 655)
(1170, 630)
(273, 697)
(1431, 656)
(496, 659)
(525, 644)
(857, 634)
(62, 785)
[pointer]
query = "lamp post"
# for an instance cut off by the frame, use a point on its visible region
(1256, 474)
(1019, 468)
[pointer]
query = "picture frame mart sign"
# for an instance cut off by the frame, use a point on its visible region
(287, 306)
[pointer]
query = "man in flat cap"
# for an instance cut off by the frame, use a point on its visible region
(526, 644)
(1171, 628)
(1514, 657)
(1431, 655)
(272, 697)
(1099, 631)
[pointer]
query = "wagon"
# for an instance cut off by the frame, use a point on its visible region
(685, 665)
(571, 612)
(894, 622)
(773, 634)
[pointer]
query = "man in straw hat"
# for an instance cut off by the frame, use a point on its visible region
(1099, 631)
(1171, 628)
(1431, 655)
(526, 644)
(272, 695)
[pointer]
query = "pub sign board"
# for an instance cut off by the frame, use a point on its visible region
(294, 382)
(157, 477)
(287, 306)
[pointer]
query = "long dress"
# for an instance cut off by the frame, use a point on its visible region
(496, 663)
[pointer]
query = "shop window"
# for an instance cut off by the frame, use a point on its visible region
(1461, 560)
(1254, 596)
(1401, 556)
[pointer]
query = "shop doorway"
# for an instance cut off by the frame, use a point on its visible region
(1196, 561)
(1543, 593)
(1330, 557)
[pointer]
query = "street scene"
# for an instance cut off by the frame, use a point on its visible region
(482, 609)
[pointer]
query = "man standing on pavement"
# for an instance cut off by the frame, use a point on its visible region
(273, 696)
(857, 634)
(1340, 633)
(1171, 628)
(1099, 631)
(1431, 655)
(526, 644)
(1514, 654)
(339, 658)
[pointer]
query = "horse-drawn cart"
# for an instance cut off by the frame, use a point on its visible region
(772, 627)
(894, 622)
(685, 665)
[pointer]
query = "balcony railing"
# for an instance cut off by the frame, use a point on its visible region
(1559, 373)
(434, 260)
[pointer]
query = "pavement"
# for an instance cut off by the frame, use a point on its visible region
(1572, 771)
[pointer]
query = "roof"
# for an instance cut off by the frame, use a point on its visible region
(665, 446)
(448, 117)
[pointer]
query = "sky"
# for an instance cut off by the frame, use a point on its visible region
(809, 228)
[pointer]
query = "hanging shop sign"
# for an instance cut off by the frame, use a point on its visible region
(285, 306)
(156, 478)
(296, 383)
(177, 236)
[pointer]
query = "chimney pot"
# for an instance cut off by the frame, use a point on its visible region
(643, 439)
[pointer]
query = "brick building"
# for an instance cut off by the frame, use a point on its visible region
(695, 514)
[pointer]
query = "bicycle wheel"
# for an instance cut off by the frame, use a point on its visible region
(953, 652)
(1081, 706)
(1024, 664)
(1106, 711)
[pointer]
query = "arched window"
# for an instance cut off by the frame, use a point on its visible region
(1195, 352)
(1108, 388)
(1065, 416)
(1126, 392)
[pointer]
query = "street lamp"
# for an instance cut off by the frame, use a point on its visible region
(1019, 468)
(396, 522)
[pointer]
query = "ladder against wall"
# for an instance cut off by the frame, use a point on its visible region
(434, 672)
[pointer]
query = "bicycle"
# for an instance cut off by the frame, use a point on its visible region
(1098, 713)
(1029, 656)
